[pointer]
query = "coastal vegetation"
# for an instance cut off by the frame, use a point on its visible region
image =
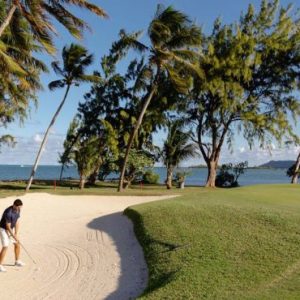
(242, 78)
(176, 148)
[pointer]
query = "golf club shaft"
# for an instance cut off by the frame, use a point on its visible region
(27, 253)
(25, 250)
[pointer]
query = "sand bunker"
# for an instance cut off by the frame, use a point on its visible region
(84, 248)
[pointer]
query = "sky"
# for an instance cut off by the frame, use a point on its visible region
(131, 15)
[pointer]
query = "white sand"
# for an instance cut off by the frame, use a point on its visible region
(84, 248)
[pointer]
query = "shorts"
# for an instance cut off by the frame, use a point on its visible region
(5, 239)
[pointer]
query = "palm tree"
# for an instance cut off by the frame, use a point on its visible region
(171, 34)
(75, 61)
(86, 155)
(38, 14)
(20, 71)
(176, 148)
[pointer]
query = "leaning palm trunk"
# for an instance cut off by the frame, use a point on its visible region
(61, 172)
(132, 136)
(7, 19)
(45, 140)
(296, 171)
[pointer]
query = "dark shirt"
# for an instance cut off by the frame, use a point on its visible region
(9, 216)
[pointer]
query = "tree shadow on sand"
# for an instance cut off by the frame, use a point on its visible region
(133, 277)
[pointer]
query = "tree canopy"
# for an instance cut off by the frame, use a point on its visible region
(251, 75)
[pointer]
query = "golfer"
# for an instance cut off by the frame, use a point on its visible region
(9, 228)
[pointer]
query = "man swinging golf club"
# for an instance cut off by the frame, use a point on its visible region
(9, 228)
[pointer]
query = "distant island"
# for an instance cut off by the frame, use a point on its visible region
(272, 164)
(277, 164)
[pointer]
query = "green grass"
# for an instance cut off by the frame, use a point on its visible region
(239, 243)
(71, 188)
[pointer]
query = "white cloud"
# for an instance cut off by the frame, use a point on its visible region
(242, 149)
(38, 138)
(26, 150)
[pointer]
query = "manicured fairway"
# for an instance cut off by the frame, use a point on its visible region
(240, 243)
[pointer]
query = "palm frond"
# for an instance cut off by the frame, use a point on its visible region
(56, 84)
(56, 68)
(87, 5)
(126, 42)
(89, 78)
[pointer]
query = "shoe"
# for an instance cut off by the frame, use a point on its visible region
(19, 263)
(2, 269)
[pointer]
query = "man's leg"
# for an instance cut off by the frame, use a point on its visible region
(5, 243)
(17, 251)
(2, 254)
(17, 255)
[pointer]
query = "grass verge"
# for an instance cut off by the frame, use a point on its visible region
(239, 243)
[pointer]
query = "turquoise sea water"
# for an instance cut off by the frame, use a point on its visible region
(197, 175)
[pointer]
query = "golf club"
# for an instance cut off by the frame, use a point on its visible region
(27, 253)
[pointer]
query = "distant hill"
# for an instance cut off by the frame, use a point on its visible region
(278, 164)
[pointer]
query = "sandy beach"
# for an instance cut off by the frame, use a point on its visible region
(83, 246)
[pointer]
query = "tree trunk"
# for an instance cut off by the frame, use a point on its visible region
(126, 185)
(93, 177)
(296, 172)
(7, 19)
(45, 140)
(212, 173)
(132, 136)
(81, 182)
(169, 178)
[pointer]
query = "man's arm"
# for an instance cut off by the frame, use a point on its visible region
(10, 231)
(17, 227)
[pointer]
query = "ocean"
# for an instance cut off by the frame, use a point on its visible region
(196, 177)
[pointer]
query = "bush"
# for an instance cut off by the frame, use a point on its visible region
(225, 179)
(292, 171)
(150, 177)
(180, 176)
(228, 174)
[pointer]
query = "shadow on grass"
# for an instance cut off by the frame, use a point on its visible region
(168, 246)
(147, 244)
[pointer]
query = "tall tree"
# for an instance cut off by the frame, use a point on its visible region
(251, 75)
(38, 15)
(75, 61)
(172, 35)
(176, 148)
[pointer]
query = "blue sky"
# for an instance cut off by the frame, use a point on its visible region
(131, 15)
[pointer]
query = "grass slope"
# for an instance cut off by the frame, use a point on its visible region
(239, 243)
